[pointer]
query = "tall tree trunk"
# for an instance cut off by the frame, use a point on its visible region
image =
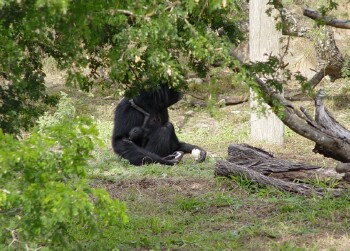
(264, 40)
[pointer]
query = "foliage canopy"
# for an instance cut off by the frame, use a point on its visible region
(141, 43)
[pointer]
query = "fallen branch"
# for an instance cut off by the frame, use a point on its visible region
(262, 167)
(227, 169)
(261, 161)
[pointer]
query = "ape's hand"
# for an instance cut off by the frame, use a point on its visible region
(202, 156)
(175, 157)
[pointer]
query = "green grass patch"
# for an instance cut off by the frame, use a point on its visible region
(184, 207)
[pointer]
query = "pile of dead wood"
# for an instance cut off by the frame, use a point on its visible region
(263, 168)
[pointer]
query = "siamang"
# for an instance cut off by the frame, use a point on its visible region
(142, 132)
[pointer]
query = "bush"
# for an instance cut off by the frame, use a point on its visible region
(43, 184)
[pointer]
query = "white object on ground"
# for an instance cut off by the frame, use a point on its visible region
(196, 153)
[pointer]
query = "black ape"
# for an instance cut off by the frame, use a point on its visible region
(142, 132)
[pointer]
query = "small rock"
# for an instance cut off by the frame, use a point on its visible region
(189, 113)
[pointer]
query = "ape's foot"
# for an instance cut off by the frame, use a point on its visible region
(199, 154)
(175, 157)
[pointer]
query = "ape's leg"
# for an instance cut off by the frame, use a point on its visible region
(139, 156)
(187, 148)
(163, 141)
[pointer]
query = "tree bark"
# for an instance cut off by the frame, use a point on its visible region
(227, 169)
(264, 40)
(262, 167)
(326, 121)
(263, 162)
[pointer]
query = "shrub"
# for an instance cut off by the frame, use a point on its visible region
(43, 185)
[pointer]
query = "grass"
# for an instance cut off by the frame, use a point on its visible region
(185, 207)
(218, 214)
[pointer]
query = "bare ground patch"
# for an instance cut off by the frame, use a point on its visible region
(151, 186)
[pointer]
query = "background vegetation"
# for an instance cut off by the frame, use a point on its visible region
(52, 174)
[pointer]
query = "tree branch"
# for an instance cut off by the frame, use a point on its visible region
(316, 79)
(341, 24)
(131, 14)
(330, 61)
(297, 121)
(126, 13)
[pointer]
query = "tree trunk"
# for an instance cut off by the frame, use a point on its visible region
(328, 123)
(264, 40)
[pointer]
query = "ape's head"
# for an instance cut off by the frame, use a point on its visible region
(162, 97)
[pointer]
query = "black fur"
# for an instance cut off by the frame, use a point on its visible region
(156, 141)
(136, 133)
